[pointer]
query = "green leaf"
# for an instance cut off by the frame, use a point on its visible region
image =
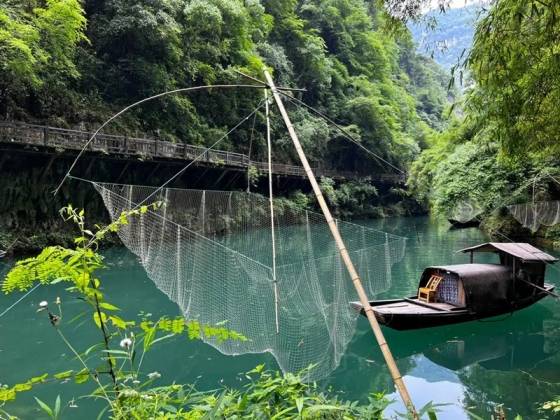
(212, 414)
(323, 407)
(38, 379)
(120, 323)
(45, 407)
(102, 412)
(108, 306)
(22, 387)
(169, 408)
(63, 375)
(299, 404)
(57, 407)
(82, 376)
(165, 337)
(97, 320)
(149, 338)
(281, 414)
(117, 352)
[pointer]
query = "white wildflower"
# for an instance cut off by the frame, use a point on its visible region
(126, 343)
(154, 375)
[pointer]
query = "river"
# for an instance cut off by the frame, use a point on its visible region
(511, 360)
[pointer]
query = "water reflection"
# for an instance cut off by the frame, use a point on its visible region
(514, 360)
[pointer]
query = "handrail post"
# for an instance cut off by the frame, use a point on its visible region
(385, 350)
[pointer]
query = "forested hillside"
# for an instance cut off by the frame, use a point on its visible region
(447, 37)
(70, 63)
(504, 148)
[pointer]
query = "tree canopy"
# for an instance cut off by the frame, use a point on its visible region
(77, 65)
(515, 60)
(506, 133)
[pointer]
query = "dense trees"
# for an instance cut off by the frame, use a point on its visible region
(516, 61)
(508, 134)
(38, 45)
(364, 76)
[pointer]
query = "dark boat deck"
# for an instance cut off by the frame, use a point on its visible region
(410, 313)
(413, 306)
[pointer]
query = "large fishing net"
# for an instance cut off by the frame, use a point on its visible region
(536, 214)
(210, 252)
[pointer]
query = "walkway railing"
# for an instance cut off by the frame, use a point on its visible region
(61, 138)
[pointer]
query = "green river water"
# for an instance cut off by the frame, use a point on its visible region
(512, 360)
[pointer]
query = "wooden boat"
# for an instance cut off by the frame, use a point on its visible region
(456, 224)
(467, 292)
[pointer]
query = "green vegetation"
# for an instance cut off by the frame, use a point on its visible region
(504, 147)
(73, 64)
(368, 78)
(114, 365)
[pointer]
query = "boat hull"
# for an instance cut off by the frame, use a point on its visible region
(409, 319)
(455, 224)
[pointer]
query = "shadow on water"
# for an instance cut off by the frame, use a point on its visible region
(514, 360)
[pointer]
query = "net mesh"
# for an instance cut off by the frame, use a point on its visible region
(465, 211)
(536, 214)
(210, 252)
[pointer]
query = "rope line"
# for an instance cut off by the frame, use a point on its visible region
(5, 251)
(240, 123)
(346, 134)
(135, 104)
(182, 170)
(19, 300)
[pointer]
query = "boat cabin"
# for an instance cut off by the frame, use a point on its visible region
(525, 262)
(449, 294)
(486, 287)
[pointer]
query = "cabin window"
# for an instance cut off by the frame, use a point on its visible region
(450, 290)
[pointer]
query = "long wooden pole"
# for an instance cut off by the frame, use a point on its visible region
(271, 202)
(389, 360)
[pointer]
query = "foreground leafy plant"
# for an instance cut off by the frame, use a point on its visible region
(79, 267)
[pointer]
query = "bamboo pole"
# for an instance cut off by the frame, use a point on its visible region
(389, 360)
(271, 202)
